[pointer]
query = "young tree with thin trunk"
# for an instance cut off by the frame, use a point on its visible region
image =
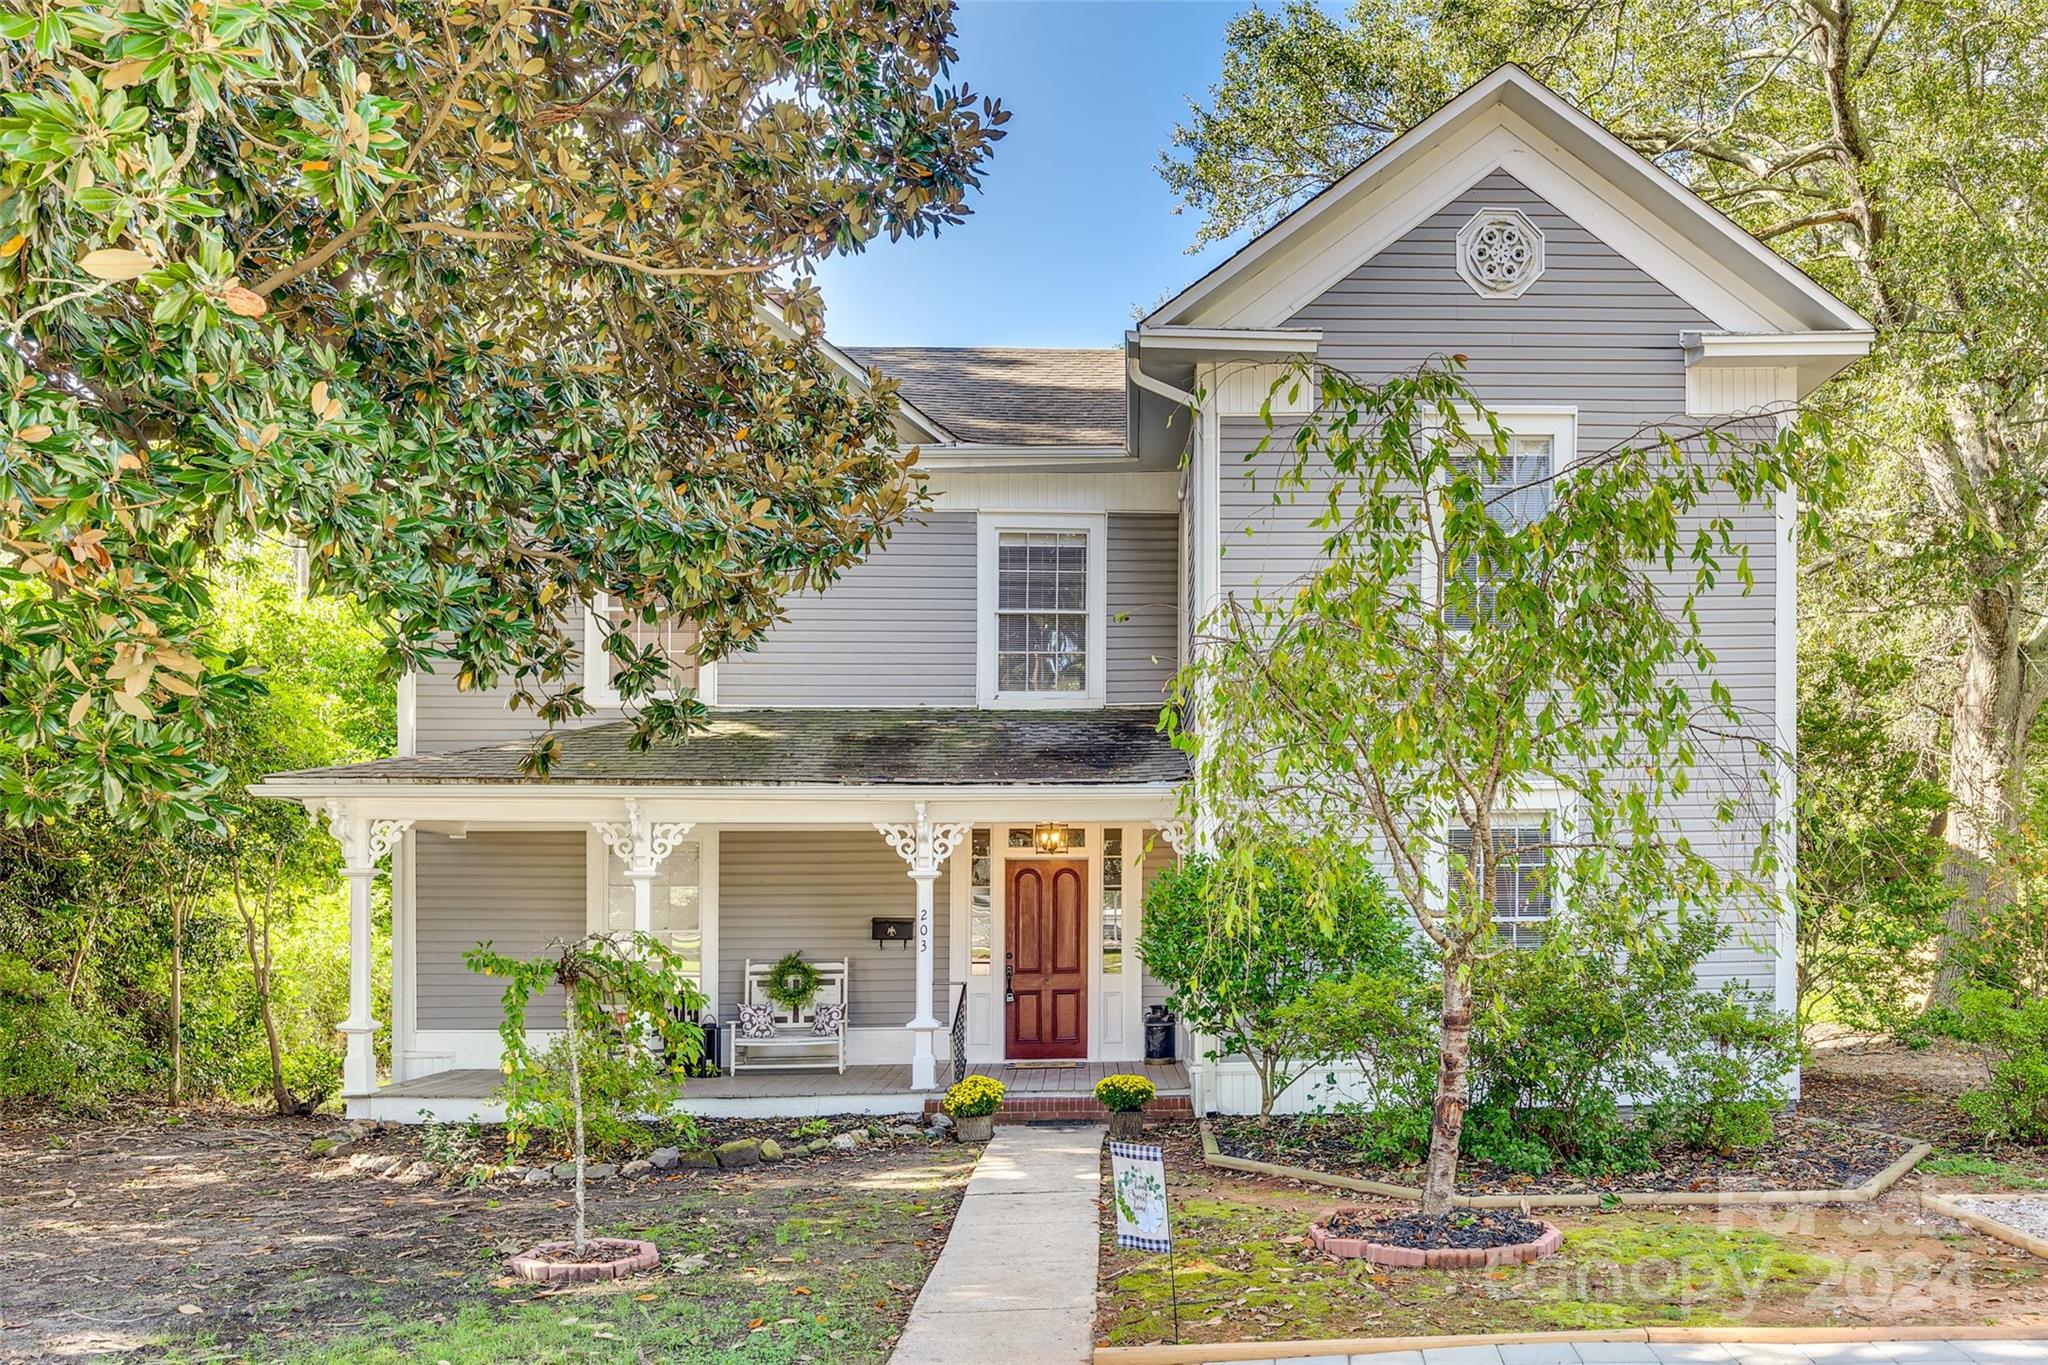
(625, 996)
(1486, 635)
(1889, 148)
(255, 890)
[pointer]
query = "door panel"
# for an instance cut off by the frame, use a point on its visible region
(1046, 914)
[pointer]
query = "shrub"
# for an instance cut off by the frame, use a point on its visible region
(53, 1053)
(1382, 1022)
(1729, 1072)
(1236, 940)
(1389, 1137)
(1585, 1015)
(2010, 1033)
(313, 1073)
(974, 1097)
(1125, 1094)
(1493, 1134)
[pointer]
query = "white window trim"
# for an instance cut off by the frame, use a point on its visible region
(1560, 424)
(597, 681)
(989, 528)
(1548, 801)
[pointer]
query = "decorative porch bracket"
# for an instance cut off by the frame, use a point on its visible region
(1174, 833)
(925, 845)
(364, 842)
(643, 845)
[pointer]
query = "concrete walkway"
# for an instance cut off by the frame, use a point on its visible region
(1733, 1353)
(1016, 1281)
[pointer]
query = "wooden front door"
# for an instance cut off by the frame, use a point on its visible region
(1046, 961)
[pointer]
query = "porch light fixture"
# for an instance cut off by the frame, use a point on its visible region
(1051, 838)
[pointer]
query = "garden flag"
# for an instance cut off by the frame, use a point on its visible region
(1137, 1177)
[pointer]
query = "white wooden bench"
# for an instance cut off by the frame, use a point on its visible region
(796, 1044)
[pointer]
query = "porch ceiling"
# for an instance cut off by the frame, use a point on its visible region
(812, 748)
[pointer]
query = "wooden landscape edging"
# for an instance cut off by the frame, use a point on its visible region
(1339, 1346)
(1854, 1194)
(1990, 1227)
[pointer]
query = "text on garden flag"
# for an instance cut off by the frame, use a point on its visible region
(1137, 1180)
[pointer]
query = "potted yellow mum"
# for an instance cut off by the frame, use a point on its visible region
(972, 1103)
(1125, 1097)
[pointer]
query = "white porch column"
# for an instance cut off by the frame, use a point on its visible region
(925, 846)
(363, 843)
(643, 846)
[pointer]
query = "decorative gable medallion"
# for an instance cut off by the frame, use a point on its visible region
(1500, 253)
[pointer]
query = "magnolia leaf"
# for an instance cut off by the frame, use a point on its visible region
(245, 302)
(115, 264)
(123, 74)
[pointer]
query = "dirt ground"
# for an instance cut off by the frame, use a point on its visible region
(1941, 1069)
(1243, 1267)
(218, 1238)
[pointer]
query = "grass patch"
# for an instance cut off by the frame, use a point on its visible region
(1244, 1271)
(1982, 1172)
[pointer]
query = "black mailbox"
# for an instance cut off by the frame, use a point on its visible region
(890, 930)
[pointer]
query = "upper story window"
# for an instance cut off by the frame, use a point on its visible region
(1041, 611)
(1522, 899)
(676, 639)
(1042, 628)
(1519, 488)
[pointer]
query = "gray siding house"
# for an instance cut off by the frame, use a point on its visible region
(961, 734)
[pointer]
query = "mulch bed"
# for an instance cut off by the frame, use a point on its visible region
(1466, 1228)
(1804, 1155)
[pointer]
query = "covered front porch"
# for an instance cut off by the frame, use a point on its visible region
(733, 873)
(461, 1095)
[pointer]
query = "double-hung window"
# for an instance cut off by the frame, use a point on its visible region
(1041, 594)
(1517, 490)
(1522, 874)
(676, 640)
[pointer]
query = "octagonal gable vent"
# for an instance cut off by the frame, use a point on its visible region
(1500, 253)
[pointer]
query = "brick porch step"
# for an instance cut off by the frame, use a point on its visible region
(1038, 1108)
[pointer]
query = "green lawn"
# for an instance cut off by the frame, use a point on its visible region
(1241, 1269)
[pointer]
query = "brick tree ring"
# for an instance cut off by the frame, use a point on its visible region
(1546, 1238)
(608, 1258)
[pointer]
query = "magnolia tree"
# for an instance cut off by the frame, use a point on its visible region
(493, 308)
(627, 1000)
(1481, 634)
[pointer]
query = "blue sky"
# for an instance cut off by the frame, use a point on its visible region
(1073, 227)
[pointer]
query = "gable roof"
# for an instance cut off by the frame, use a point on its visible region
(1510, 120)
(1007, 395)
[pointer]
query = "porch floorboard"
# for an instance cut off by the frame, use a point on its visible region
(1077, 1080)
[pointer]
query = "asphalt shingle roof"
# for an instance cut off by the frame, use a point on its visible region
(1009, 395)
(768, 748)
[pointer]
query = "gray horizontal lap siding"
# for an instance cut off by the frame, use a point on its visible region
(895, 630)
(1142, 595)
(1593, 333)
(815, 891)
(445, 717)
(517, 890)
